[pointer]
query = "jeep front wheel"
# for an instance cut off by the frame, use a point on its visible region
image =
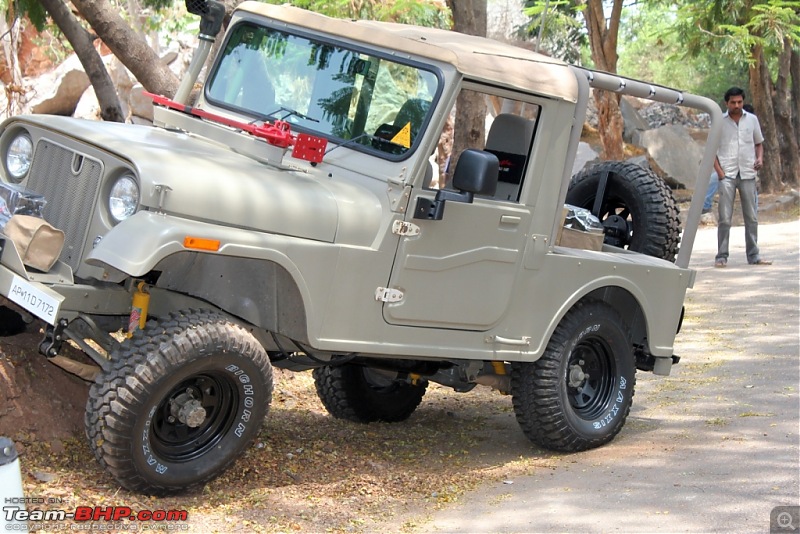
(578, 394)
(638, 209)
(178, 402)
(365, 395)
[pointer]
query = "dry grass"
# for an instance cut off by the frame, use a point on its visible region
(309, 472)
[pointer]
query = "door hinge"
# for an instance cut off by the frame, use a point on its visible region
(407, 229)
(387, 294)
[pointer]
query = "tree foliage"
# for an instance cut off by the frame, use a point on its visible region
(563, 35)
(764, 34)
(418, 12)
(734, 27)
(33, 9)
(650, 49)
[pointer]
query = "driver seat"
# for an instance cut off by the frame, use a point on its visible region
(510, 139)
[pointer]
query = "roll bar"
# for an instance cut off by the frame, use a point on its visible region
(630, 87)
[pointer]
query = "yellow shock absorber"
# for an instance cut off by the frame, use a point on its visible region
(499, 367)
(139, 305)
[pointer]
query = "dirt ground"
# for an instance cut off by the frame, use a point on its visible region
(306, 471)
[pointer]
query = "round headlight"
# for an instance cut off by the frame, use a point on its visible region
(124, 198)
(19, 157)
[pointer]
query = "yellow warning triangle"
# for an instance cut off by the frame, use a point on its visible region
(403, 137)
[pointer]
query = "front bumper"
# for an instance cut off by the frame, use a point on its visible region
(54, 296)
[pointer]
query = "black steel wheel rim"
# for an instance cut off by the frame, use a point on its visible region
(618, 221)
(590, 378)
(176, 441)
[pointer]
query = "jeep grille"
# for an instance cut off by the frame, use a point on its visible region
(70, 195)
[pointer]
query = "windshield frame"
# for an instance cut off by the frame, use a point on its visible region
(334, 41)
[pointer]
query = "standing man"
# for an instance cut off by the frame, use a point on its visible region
(739, 157)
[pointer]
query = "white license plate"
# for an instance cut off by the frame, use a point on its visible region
(34, 299)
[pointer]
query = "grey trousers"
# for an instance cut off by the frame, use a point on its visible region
(749, 200)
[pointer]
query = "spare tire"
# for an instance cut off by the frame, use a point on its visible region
(638, 210)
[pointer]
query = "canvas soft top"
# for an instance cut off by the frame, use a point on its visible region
(476, 58)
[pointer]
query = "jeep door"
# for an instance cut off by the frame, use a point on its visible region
(459, 272)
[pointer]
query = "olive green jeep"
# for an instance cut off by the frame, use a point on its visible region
(379, 203)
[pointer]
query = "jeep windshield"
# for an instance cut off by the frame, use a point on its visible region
(330, 90)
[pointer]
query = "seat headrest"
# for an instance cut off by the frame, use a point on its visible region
(510, 133)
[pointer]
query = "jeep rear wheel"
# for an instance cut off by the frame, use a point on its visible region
(638, 209)
(179, 402)
(578, 394)
(365, 395)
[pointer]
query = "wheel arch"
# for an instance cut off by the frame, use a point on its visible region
(625, 298)
(262, 292)
(627, 306)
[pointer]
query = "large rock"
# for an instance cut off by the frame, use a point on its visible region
(675, 152)
(140, 104)
(60, 89)
(585, 154)
(88, 108)
(634, 123)
(658, 114)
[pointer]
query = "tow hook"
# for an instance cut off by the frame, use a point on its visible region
(53, 339)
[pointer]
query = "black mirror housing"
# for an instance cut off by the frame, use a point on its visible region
(477, 172)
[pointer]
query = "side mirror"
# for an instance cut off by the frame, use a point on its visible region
(476, 173)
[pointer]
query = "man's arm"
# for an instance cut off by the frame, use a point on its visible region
(718, 168)
(759, 156)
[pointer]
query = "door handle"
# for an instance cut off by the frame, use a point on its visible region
(510, 220)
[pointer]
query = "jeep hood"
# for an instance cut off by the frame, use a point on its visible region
(192, 177)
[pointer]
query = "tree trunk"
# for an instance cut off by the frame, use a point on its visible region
(13, 80)
(469, 16)
(795, 97)
(761, 92)
(787, 135)
(110, 109)
(129, 47)
(603, 43)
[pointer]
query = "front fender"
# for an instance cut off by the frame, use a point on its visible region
(135, 246)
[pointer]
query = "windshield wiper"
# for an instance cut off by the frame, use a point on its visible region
(373, 139)
(350, 141)
(288, 113)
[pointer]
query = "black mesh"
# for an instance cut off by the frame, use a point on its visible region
(197, 7)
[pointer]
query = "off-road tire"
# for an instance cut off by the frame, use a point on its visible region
(130, 423)
(355, 393)
(637, 198)
(550, 409)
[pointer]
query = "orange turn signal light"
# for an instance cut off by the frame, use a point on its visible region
(201, 243)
